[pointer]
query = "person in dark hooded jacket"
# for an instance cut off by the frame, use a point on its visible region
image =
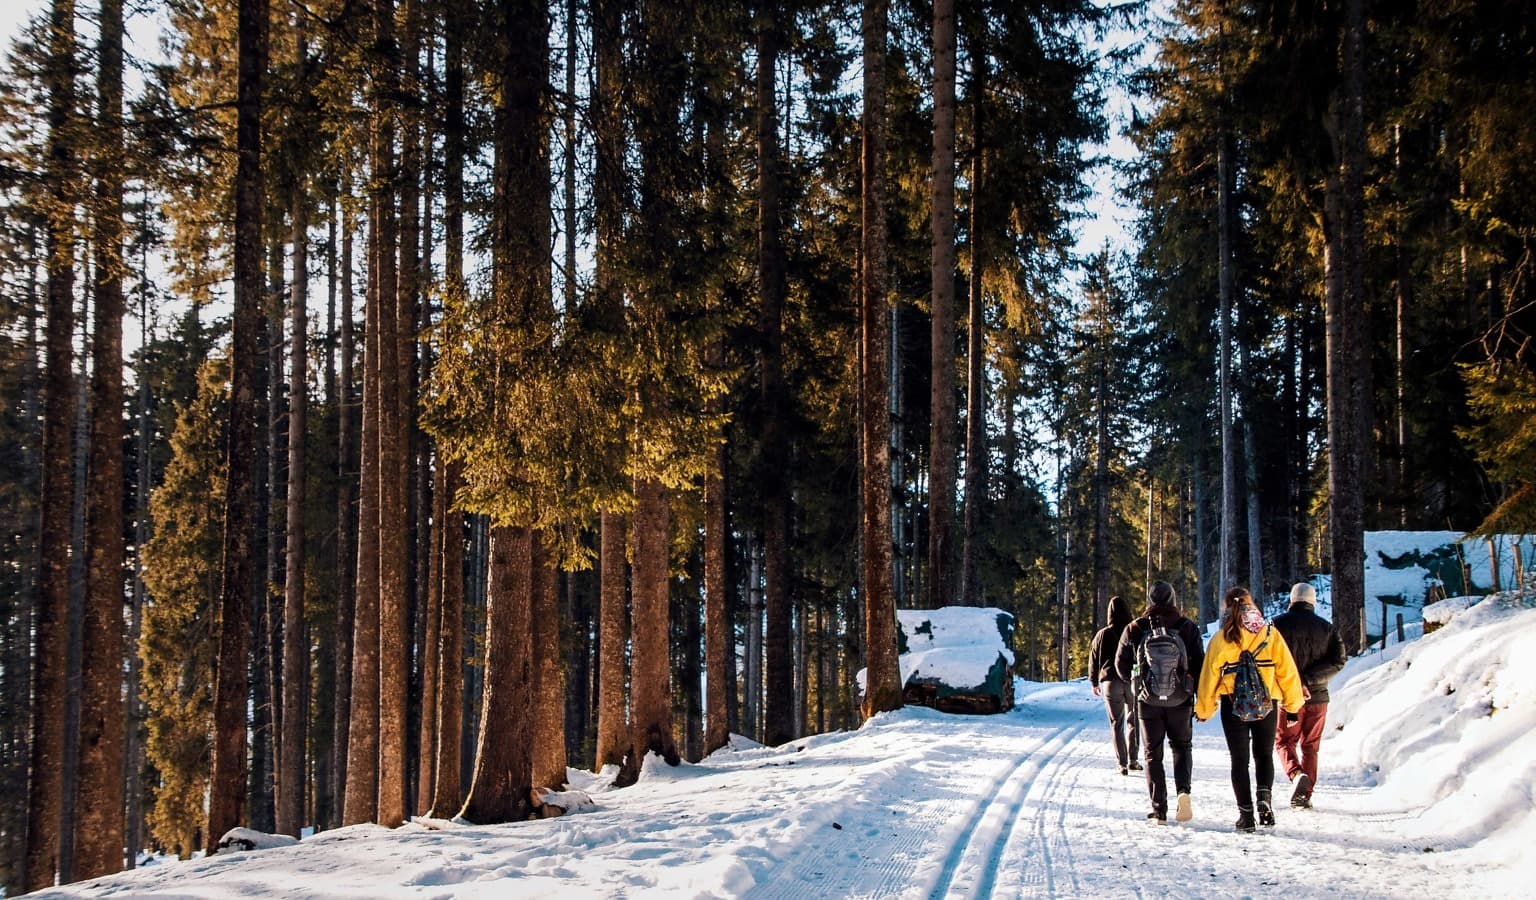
(1173, 724)
(1124, 725)
(1319, 654)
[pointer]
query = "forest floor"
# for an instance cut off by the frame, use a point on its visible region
(1026, 804)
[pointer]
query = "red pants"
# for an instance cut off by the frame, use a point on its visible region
(1307, 732)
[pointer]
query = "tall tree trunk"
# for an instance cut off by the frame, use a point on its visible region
(975, 354)
(549, 668)
(1205, 589)
(292, 771)
(56, 494)
(361, 798)
(719, 642)
(448, 795)
(414, 479)
(1101, 485)
(941, 440)
(753, 641)
(347, 517)
(99, 794)
(1348, 410)
(430, 652)
(323, 691)
(612, 723)
(1227, 548)
(268, 614)
(1256, 584)
(394, 353)
(499, 790)
(779, 668)
(882, 686)
(650, 728)
(133, 762)
(76, 608)
(608, 188)
(227, 784)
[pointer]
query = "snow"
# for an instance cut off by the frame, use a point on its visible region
(1427, 789)
(955, 645)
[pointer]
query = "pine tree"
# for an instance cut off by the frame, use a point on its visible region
(882, 686)
(99, 833)
(179, 640)
(774, 478)
(941, 441)
(227, 785)
(45, 789)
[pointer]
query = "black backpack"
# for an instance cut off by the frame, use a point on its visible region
(1250, 697)
(1161, 675)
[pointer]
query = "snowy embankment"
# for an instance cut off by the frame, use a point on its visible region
(1426, 791)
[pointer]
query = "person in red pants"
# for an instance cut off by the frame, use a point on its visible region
(1319, 655)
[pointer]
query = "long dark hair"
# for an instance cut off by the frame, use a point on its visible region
(1232, 619)
(1119, 612)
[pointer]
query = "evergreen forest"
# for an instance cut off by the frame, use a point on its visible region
(406, 400)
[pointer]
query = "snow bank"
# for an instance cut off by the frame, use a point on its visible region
(250, 839)
(1442, 726)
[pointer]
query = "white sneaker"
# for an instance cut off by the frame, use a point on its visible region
(1184, 813)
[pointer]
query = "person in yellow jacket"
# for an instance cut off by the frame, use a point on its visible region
(1243, 629)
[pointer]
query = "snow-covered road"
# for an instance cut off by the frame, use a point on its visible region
(917, 804)
(1030, 805)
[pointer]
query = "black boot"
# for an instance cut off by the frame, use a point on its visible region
(1266, 811)
(1245, 819)
(1301, 798)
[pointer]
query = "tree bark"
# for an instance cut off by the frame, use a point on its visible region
(56, 490)
(360, 802)
(1227, 548)
(99, 791)
(608, 187)
(941, 439)
(976, 324)
(1348, 411)
(499, 790)
(612, 723)
(394, 354)
(882, 688)
(548, 670)
(292, 771)
(448, 795)
(718, 641)
(346, 520)
(227, 784)
(651, 728)
(1101, 485)
(778, 707)
(430, 652)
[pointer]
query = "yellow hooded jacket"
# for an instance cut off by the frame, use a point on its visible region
(1282, 679)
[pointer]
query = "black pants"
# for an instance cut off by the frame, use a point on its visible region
(1121, 707)
(1176, 725)
(1245, 739)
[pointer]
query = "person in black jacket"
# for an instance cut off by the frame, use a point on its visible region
(1319, 654)
(1124, 725)
(1171, 720)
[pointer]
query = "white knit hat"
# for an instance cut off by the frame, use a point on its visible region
(1302, 592)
